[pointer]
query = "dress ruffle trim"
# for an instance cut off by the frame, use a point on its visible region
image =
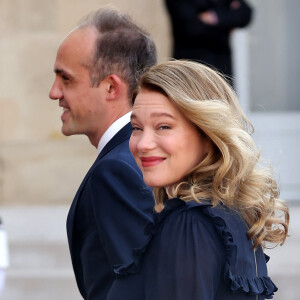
(256, 285)
(133, 266)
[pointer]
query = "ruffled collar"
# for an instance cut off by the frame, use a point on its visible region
(174, 204)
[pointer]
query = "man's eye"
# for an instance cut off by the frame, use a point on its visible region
(65, 78)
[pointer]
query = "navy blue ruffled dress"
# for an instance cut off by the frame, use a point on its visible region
(194, 251)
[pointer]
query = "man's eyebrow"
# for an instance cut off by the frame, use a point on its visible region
(58, 71)
(62, 72)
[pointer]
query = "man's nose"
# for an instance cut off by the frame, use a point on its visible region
(55, 92)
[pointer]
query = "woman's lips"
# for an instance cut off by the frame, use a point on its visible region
(151, 161)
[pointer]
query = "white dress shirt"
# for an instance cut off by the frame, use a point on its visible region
(112, 130)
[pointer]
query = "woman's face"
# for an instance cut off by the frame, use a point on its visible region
(164, 143)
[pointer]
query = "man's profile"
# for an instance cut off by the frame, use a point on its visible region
(97, 68)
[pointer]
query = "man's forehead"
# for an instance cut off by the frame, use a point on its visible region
(75, 28)
(84, 32)
(79, 41)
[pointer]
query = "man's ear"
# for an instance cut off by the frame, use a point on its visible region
(113, 86)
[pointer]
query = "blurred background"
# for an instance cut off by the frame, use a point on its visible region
(40, 169)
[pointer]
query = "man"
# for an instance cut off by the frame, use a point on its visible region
(202, 28)
(97, 68)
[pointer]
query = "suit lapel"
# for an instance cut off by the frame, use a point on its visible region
(121, 136)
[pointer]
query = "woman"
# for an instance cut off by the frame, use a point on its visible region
(216, 206)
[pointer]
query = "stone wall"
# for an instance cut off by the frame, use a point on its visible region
(38, 165)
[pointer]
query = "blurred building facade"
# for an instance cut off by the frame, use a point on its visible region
(267, 69)
(40, 169)
(38, 165)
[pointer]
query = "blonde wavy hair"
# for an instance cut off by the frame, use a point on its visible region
(230, 173)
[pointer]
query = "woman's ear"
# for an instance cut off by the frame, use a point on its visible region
(207, 142)
(209, 145)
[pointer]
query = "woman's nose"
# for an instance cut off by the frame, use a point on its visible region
(146, 141)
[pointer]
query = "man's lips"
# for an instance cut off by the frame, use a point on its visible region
(66, 110)
(151, 161)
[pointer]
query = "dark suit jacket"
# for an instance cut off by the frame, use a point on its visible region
(107, 218)
(192, 39)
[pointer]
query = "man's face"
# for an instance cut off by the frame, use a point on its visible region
(83, 107)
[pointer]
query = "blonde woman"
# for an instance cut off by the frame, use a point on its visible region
(217, 208)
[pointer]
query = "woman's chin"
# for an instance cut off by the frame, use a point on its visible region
(153, 184)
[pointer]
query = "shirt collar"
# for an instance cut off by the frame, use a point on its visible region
(112, 130)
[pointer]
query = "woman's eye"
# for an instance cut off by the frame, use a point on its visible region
(164, 127)
(135, 128)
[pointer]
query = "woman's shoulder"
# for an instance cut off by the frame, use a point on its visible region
(245, 269)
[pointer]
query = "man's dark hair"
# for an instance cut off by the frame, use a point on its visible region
(122, 48)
